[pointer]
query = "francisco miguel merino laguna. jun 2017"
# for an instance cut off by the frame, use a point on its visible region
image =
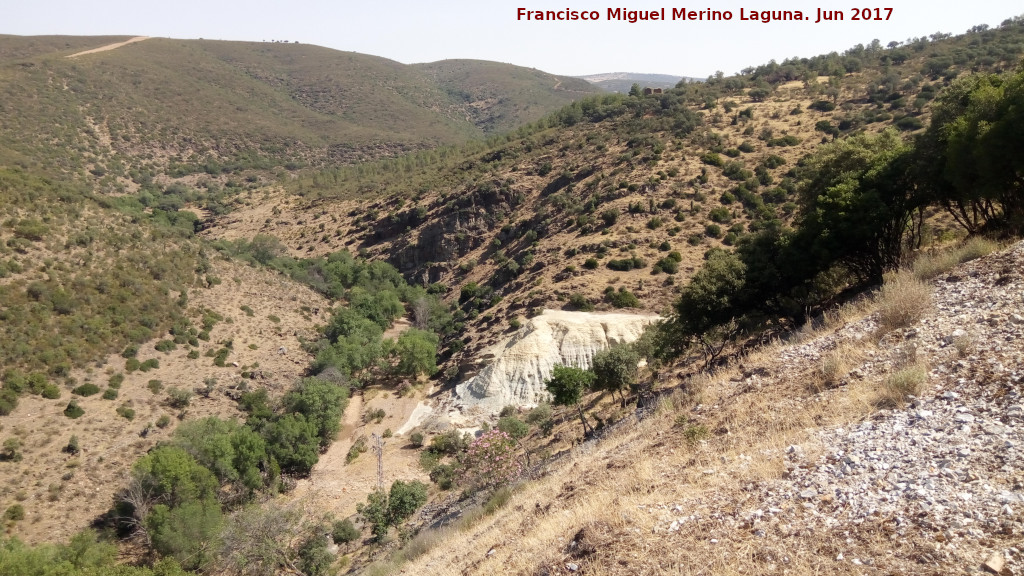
(762, 16)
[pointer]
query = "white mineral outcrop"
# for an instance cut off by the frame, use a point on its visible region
(521, 363)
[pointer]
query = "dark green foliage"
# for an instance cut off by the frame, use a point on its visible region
(165, 346)
(822, 106)
(580, 302)
(14, 513)
(712, 159)
(171, 474)
(969, 157)
(87, 389)
(8, 401)
(417, 353)
(444, 475)
(858, 203)
(622, 298)
(615, 369)
(314, 558)
(116, 380)
(416, 439)
(513, 426)
(110, 394)
(322, 404)
(450, 443)
(567, 384)
(72, 447)
(294, 443)
(383, 510)
(189, 533)
(125, 412)
(178, 397)
(609, 216)
(73, 410)
(668, 265)
(11, 450)
(626, 264)
(909, 123)
(590, 264)
(344, 531)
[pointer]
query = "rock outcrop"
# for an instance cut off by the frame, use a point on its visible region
(520, 364)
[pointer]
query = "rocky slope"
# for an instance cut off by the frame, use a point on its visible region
(770, 467)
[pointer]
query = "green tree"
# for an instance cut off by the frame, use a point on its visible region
(294, 443)
(969, 158)
(189, 533)
(615, 369)
(417, 353)
(567, 385)
(322, 403)
(172, 475)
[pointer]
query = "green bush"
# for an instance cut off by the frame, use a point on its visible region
(149, 365)
(73, 410)
(132, 364)
(178, 397)
(51, 391)
(110, 394)
(416, 439)
(11, 450)
(344, 531)
(116, 380)
(87, 389)
(14, 513)
(621, 299)
(163, 421)
(450, 443)
(126, 412)
(580, 302)
(155, 386)
(513, 426)
(626, 264)
(444, 475)
(165, 346)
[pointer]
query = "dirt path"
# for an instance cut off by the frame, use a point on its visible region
(110, 46)
(335, 486)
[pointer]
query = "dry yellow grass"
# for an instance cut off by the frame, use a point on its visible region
(902, 301)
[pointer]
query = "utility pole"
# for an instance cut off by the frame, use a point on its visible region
(378, 449)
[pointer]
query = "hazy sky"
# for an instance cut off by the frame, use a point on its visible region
(428, 30)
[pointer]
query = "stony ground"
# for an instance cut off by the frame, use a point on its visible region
(800, 473)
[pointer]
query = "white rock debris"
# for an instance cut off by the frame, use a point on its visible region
(520, 364)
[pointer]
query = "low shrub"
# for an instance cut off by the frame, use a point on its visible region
(87, 389)
(73, 410)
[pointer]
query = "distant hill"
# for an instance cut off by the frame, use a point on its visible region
(499, 97)
(623, 81)
(281, 102)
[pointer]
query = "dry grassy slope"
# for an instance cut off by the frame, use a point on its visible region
(714, 481)
(63, 493)
(434, 249)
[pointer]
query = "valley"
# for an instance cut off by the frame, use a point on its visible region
(764, 323)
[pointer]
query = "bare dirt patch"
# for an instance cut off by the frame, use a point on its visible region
(114, 46)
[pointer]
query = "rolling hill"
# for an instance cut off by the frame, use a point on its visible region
(174, 217)
(275, 102)
(622, 81)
